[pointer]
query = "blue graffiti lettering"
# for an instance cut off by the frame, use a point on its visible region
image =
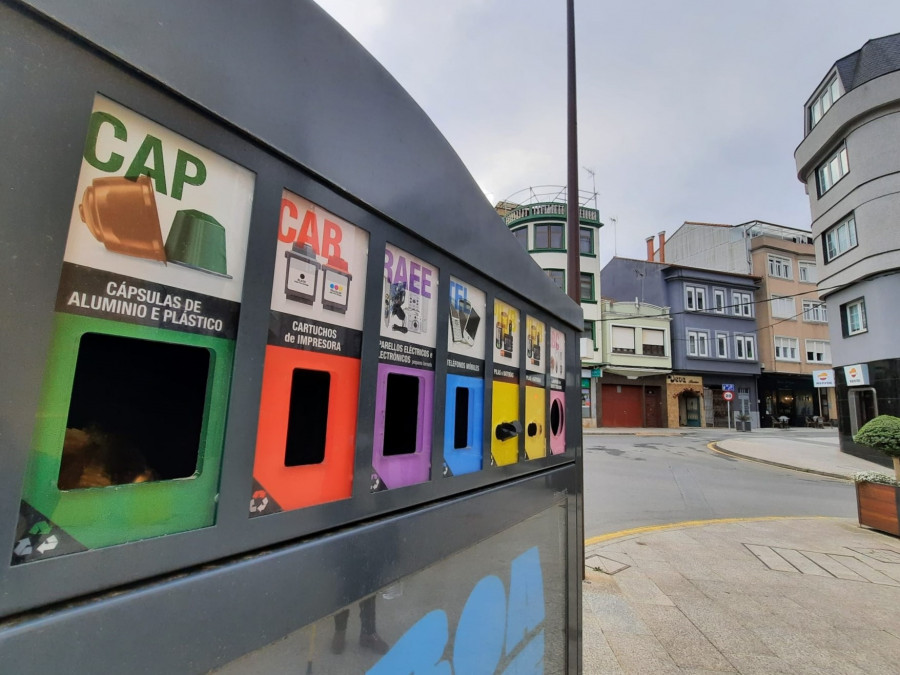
(420, 649)
(493, 635)
(479, 635)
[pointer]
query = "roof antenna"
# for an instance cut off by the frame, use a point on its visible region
(593, 184)
(615, 221)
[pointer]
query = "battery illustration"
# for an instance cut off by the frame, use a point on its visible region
(121, 214)
(336, 286)
(301, 274)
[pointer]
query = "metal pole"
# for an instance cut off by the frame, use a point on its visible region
(573, 285)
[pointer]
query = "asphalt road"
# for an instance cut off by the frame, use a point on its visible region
(635, 481)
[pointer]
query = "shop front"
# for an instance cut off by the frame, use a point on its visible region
(723, 410)
(633, 402)
(684, 401)
(864, 391)
(793, 397)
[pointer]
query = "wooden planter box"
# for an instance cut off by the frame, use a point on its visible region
(877, 506)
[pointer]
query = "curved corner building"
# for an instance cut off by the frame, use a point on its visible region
(850, 163)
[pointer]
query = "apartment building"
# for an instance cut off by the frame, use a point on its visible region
(713, 337)
(796, 377)
(637, 357)
(849, 162)
(539, 224)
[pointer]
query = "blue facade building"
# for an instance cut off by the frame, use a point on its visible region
(713, 337)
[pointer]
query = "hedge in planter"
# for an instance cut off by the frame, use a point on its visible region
(882, 433)
(877, 495)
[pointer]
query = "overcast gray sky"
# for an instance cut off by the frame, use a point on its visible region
(687, 110)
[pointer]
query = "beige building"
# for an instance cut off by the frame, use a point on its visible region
(637, 356)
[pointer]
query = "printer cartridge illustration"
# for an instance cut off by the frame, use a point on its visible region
(301, 281)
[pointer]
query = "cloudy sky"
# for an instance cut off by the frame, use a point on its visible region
(687, 109)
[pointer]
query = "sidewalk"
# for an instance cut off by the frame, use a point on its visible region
(772, 595)
(811, 450)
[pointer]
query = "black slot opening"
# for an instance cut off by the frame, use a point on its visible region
(307, 417)
(401, 414)
(461, 422)
(532, 429)
(136, 412)
(556, 417)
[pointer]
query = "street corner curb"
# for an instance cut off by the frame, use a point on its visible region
(715, 447)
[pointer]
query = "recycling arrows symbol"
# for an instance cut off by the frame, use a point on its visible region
(260, 507)
(48, 544)
(24, 546)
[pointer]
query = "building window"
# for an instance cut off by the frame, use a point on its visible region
(787, 349)
(558, 277)
(653, 342)
(780, 267)
(697, 343)
(807, 271)
(722, 345)
(826, 97)
(623, 340)
(586, 241)
(695, 298)
(818, 351)
(745, 347)
(521, 235)
(588, 333)
(587, 287)
(815, 311)
(548, 236)
(783, 308)
(840, 238)
(741, 304)
(853, 318)
(719, 300)
(832, 170)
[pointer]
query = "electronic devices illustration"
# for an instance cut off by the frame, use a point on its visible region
(405, 312)
(464, 322)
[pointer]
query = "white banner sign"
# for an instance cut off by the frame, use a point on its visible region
(857, 375)
(823, 378)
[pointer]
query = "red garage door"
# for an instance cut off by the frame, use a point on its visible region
(623, 406)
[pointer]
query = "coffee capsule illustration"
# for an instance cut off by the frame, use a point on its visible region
(121, 214)
(197, 240)
(300, 276)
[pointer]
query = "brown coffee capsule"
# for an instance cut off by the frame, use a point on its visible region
(121, 214)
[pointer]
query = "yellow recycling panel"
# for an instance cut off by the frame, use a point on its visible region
(505, 425)
(535, 422)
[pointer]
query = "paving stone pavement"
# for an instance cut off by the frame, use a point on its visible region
(792, 595)
(752, 596)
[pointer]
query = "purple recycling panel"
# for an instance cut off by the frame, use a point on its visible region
(404, 403)
(557, 422)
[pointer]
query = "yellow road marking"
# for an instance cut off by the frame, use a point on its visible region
(686, 523)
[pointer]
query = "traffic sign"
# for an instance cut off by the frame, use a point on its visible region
(728, 395)
(727, 387)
